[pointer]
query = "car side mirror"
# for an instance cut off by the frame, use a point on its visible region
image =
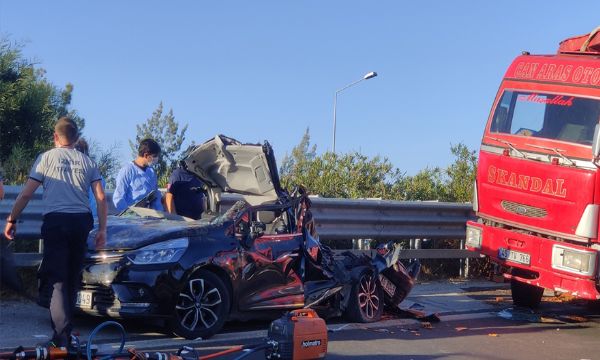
(596, 142)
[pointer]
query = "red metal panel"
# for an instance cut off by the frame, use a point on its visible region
(575, 43)
(540, 251)
(565, 69)
(563, 192)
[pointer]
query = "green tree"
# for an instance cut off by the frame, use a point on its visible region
(461, 174)
(164, 129)
(29, 107)
(453, 184)
(107, 161)
(427, 184)
(354, 175)
(351, 175)
(298, 161)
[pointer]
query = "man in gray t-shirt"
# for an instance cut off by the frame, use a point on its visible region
(66, 175)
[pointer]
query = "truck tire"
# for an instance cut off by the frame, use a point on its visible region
(523, 294)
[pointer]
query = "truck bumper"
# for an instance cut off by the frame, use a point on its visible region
(535, 254)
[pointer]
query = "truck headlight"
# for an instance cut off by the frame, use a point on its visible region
(572, 260)
(160, 253)
(473, 237)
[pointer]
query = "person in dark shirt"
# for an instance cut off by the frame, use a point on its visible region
(185, 194)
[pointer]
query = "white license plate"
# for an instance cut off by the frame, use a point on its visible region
(514, 256)
(84, 299)
(387, 285)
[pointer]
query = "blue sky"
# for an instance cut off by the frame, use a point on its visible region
(257, 70)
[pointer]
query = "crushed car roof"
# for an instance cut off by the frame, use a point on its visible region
(227, 165)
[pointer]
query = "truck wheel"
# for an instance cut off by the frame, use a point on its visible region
(366, 299)
(523, 294)
(202, 306)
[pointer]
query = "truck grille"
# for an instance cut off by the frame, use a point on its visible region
(523, 210)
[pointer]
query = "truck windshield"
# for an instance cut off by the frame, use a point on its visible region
(557, 117)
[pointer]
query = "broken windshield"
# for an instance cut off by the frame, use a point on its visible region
(550, 116)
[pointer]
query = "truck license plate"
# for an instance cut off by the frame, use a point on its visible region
(514, 256)
(387, 285)
(84, 299)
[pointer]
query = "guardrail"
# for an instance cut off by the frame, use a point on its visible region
(336, 220)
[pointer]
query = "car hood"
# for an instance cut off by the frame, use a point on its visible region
(226, 165)
(126, 233)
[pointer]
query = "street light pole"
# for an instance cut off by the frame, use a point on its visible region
(367, 76)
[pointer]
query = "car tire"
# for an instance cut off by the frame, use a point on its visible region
(202, 306)
(366, 299)
(523, 294)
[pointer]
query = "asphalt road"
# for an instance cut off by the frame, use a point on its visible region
(469, 328)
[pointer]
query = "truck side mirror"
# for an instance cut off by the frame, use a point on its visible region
(596, 142)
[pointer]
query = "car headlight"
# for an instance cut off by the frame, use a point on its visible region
(160, 253)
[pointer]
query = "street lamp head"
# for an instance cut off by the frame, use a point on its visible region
(372, 74)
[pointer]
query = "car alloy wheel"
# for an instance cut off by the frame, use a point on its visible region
(197, 305)
(202, 306)
(366, 298)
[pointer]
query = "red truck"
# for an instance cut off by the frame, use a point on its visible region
(537, 191)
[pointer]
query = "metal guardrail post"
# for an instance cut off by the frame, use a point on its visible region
(464, 263)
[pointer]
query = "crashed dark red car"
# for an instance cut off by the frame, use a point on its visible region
(260, 257)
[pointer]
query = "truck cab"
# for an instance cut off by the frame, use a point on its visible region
(537, 190)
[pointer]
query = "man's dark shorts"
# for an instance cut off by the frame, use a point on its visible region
(65, 237)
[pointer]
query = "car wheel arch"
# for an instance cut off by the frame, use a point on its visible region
(221, 273)
(354, 276)
(224, 276)
(353, 308)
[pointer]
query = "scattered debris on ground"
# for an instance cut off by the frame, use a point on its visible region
(416, 311)
(559, 298)
(528, 315)
(426, 325)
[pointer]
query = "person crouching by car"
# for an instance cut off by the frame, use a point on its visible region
(66, 175)
(185, 194)
(137, 179)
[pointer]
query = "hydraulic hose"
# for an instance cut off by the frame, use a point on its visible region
(95, 331)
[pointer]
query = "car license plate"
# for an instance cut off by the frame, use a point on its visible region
(84, 299)
(514, 256)
(387, 285)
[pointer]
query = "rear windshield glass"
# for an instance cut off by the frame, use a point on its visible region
(550, 116)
